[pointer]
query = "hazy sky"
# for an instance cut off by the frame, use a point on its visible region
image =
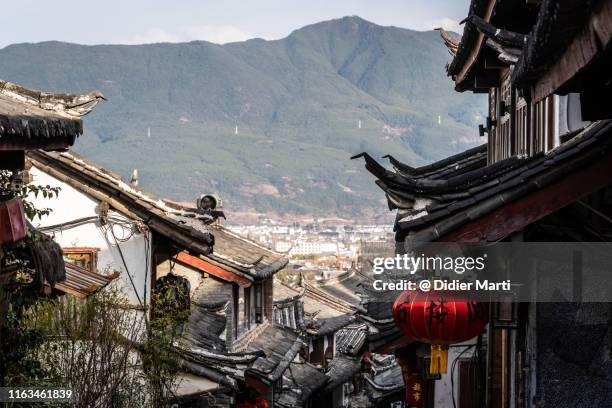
(220, 21)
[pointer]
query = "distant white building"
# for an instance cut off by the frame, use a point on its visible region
(314, 248)
(282, 246)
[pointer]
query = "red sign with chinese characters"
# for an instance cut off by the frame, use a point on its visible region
(415, 391)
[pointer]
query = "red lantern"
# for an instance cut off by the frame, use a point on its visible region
(13, 225)
(439, 318)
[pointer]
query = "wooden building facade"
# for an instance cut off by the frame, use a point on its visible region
(542, 64)
(544, 175)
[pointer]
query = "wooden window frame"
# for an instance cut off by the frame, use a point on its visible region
(72, 255)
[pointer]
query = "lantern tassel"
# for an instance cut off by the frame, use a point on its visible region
(438, 363)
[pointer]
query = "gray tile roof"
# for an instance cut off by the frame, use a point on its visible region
(430, 207)
(36, 119)
(237, 252)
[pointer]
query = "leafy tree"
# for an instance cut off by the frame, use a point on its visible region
(18, 290)
(106, 352)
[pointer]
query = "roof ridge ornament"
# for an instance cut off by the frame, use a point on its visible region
(451, 43)
(74, 105)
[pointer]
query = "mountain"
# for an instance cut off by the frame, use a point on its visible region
(267, 125)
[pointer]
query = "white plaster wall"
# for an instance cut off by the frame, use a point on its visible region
(70, 205)
(444, 389)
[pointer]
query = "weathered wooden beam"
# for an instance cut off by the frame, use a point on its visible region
(55, 144)
(507, 55)
(503, 37)
(499, 380)
(205, 266)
